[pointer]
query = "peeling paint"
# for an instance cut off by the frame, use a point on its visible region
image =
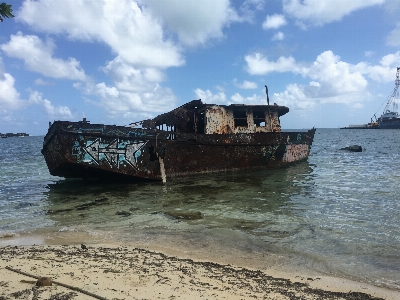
(295, 152)
(193, 138)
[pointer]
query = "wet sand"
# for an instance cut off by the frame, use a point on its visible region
(116, 272)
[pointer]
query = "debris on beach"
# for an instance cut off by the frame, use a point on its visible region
(134, 273)
(44, 281)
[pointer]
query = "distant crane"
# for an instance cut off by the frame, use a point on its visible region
(395, 94)
(392, 102)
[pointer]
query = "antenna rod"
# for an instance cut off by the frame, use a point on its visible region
(266, 91)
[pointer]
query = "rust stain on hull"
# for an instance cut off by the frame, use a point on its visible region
(194, 138)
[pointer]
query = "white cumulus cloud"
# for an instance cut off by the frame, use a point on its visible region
(279, 36)
(250, 100)
(208, 97)
(195, 22)
(9, 96)
(257, 64)
(295, 97)
(127, 105)
(274, 22)
(382, 72)
(335, 81)
(53, 112)
(247, 85)
(133, 94)
(41, 81)
(221, 98)
(327, 68)
(38, 57)
(337, 75)
(320, 12)
(10, 100)
(331, 79)
(129, 78)
(127, 28)
(394, 37)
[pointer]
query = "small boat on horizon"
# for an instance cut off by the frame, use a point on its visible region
(20, 134)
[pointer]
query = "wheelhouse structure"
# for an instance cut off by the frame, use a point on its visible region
(191, 139)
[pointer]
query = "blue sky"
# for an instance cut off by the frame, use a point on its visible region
(332, 62)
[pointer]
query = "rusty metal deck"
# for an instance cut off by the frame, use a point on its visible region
(194, 138)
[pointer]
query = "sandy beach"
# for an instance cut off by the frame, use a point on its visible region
(124, 272)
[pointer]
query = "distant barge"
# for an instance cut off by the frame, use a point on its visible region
(20, 134)
(372, 125)
(191, 139)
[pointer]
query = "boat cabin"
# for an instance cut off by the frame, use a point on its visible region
(390, 114)
(199, 118)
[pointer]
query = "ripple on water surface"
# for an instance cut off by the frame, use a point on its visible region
(338, 212)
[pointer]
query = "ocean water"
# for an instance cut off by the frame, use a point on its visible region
(337, 213)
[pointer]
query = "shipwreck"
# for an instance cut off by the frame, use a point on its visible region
(191, 139)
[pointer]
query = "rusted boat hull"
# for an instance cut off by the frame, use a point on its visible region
(80, 149)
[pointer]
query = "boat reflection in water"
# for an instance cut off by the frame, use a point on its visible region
(248, 201)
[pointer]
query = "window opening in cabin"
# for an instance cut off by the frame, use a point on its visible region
(240, 118)
(168, 128)
(200, 123)
(259, 118)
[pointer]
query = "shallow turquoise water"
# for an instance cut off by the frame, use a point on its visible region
(338, 213)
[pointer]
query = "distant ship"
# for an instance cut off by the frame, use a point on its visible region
(390, 119)
(371, 125)
(19, 134)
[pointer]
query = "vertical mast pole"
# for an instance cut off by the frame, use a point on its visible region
(269, 113)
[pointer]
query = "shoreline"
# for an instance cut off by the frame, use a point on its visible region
(121, 271)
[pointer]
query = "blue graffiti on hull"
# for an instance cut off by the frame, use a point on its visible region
(115, 153)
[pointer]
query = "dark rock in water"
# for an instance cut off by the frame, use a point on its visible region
(44, 281)
(195, 215)
(6, 235)
(354, 148)
(83, 206)
(23, 205)
(103, 199)
(57, 211)
(98, 201)
(123, 213)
